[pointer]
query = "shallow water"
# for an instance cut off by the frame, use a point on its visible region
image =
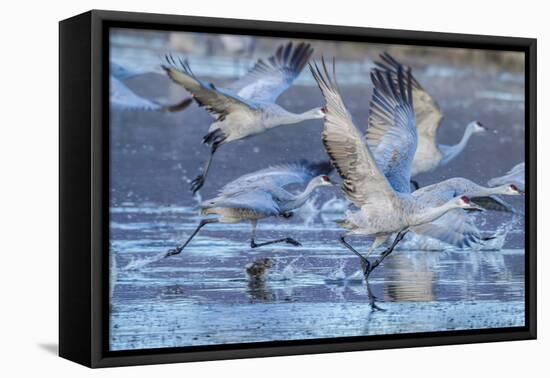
(204, 296)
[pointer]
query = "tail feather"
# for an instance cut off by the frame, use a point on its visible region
(214, 137)
(182, 105)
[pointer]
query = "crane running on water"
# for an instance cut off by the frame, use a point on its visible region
(429, 154)
(456, 227)
(260, 195)
(383, 211)
(247, 107)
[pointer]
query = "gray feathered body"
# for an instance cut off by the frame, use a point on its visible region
(262, 194)
(407, 211)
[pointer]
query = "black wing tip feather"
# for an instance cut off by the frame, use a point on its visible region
(324, 79)
(396, 86)
(291, 56)
(390, 64)
(179, 64)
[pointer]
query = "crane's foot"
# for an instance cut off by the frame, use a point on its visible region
(374, 307)
(293, 242)
(372, 299)
(172, 252)
(287, 214)
(197, 183)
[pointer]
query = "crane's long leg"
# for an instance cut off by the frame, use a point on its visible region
(368, 267)
(385, 254)
(365, 266)
(372, 299)
(198, 182)
(178, 249)
(253, 243)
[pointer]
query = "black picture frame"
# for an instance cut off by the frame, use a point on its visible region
(83, 196)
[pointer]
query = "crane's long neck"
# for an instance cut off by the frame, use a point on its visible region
(301, 198)
(472, 190)
(450, 152)
(483, 191)
(288, 118)
(429, 214)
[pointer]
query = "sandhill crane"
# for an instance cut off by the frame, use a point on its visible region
(247, 107)
(429, 154)
(515, 176)
(260, 195)
(456, 227)
(383, 211)
(123, 98)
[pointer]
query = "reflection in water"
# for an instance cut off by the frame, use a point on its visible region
(257, 275)
(258, 291)
(410, 277)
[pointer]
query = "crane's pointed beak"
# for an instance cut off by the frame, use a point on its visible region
(474, 208)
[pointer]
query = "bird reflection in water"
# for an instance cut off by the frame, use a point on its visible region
(257, 273)
(410, 277)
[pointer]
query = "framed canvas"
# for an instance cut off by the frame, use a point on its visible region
(234, 188)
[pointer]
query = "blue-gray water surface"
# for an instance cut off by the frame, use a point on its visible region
(204, 295)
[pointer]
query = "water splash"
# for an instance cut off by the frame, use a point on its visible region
(308, 211)
(357, 276)
(288, 273)
(413, 242)
(335, 205)
(499, 237)
(142, 262)
(337, 274)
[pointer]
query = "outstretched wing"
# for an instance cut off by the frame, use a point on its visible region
(494, 203)
(428, 112)
(269, 78)
(455, 228)
(121, 72)
(215, 100)
(391, 133)
(123, 98)
(280, 175)
(362, 182)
